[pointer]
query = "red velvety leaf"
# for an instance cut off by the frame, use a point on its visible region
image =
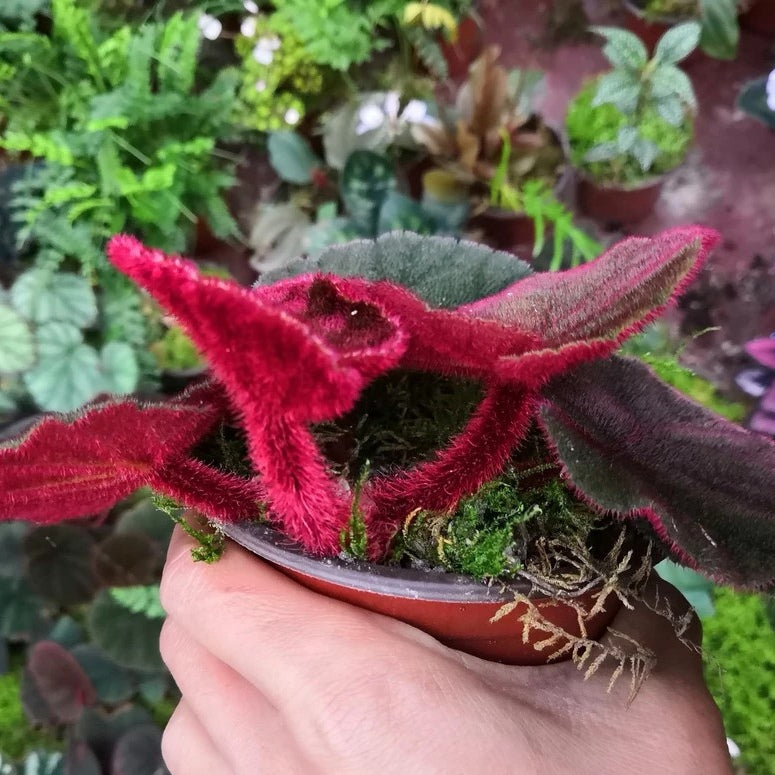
(609, 298)
(304, 349)
(295, 353)
(632, 445)
(83, 463)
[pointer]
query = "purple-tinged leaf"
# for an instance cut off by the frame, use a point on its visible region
(138, 752)
(54, 687)
(611, 297)
(633, 446)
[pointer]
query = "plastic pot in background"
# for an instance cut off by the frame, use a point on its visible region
(461, 53)
(617, 203)
(454, 609)
(650, 29)
(504, 229)
(760, 18)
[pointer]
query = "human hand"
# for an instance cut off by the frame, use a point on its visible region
(278, 680)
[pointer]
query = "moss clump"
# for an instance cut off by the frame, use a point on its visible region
(739, 646)
(400, 420)
(175, 351)
(17, 737)
(589, 126)
(492, 534)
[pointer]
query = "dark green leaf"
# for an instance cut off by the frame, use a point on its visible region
(753, 100)
(103, 730)
(635, 446)
(130, 639)
(144, 517)
(445, 272)
(60, 563)
(112, 682)
(292, 157)
(21, 612)
(366, 180)
(127, 559)
(80, 760)
(66, 632)
(11, 542)
(720, 30)
(138, 752)
(401, 213)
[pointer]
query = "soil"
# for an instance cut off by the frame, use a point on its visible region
(728, 182)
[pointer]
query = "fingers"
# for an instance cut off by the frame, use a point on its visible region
(187, 748)
(243, 725)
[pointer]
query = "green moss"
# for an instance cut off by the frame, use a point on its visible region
(589, 125)
(492, 532)
(739, 645)
(17, 737)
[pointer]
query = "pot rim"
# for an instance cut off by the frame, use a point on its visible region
(636, 10)
(651, 182)
(392, 581)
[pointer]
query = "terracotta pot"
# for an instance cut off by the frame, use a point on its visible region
(454, 609)
(650, 29)
(461, 54)
(613, 203)
(760, 18)
(504, 229)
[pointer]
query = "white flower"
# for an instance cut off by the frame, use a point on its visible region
(209, 26)
(263, 52)
(260, 85)
(392, 104)
(370, 117)
(250, 6)
(292, 116)
(248, 27)
(771, 90)
(733, 748)
(415, 112)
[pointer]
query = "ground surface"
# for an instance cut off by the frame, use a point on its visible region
(728, 182)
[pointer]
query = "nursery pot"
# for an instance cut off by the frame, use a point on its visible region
(650, 29)
(760, 18)
(461, 54)
(504, 229)
(454, 609)
(617, 203)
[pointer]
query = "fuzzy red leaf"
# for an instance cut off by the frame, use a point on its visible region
(83, 463)
(609, 298)
(288, 355)
(633, 446)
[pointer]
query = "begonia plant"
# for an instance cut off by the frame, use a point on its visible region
(301, 350)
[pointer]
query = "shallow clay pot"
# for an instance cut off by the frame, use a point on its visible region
(760, 18)
(650, 29)
(454, 609)
(612, 203)
(504, 229)
(461, 54)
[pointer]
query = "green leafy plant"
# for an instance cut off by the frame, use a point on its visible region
(43, 349)
(720, 34)
(635, 121)
(20, 15)
(80, 606)
(540, 204)
(370, 198)
(127, 100)
(739, 647)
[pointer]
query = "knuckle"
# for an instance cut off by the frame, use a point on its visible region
(172, 741)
